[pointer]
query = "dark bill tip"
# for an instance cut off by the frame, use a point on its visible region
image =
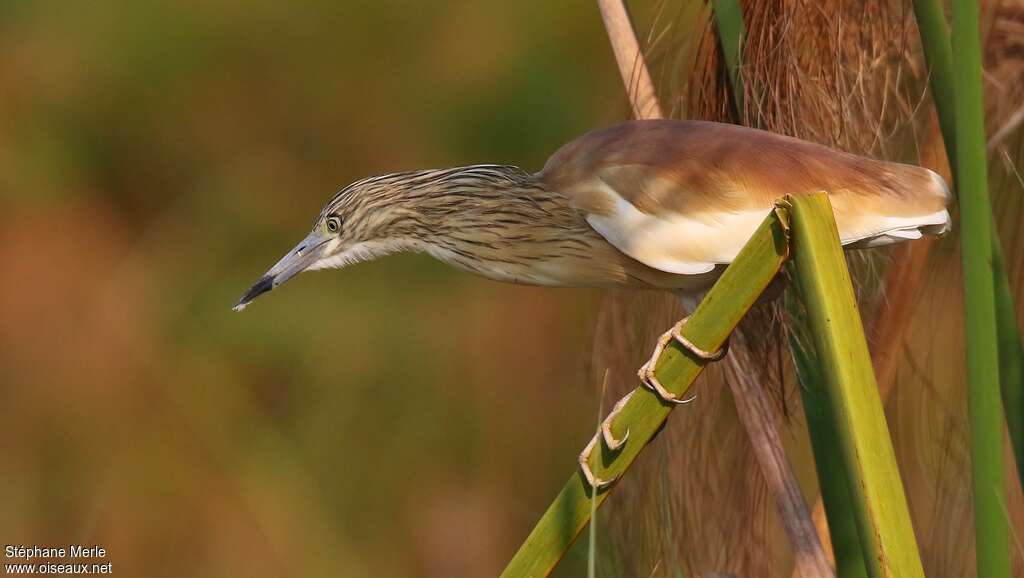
(266, 283)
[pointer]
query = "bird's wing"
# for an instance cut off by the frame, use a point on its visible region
(684, 196)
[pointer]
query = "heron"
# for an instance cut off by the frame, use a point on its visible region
(654, 204)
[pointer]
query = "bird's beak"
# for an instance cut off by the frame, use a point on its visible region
(296, 261)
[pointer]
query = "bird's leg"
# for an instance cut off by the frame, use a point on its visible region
(610, 441)
(646, 372)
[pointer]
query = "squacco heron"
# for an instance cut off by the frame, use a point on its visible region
(657, 204)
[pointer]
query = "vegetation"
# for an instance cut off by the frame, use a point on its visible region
(883, 519)
(644, 414)
(404, 419)
(886, 537)
(992, 338)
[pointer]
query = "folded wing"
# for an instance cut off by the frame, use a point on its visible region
(684, 196)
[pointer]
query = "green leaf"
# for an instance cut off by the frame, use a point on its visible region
(835, 487)
(882, 515)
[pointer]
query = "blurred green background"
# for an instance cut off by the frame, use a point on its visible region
(397, 418)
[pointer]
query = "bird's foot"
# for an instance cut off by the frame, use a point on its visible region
(677, 333)
(610, 441)
(646, 372)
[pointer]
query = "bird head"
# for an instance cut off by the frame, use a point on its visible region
(360, 223)
(488, 219)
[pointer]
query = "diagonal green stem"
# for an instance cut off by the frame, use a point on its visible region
(709, 326)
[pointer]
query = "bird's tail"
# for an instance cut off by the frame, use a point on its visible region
(917, 205)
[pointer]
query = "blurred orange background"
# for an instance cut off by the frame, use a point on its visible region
(397, 418)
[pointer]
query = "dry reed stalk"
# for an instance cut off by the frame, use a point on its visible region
(758, 417)
(1004, 70)
(632, 66)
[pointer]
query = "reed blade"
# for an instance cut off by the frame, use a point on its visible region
(882, 516)
(832, 480)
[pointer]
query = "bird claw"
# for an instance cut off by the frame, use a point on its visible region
(593, 481)
(677, 333)
(651, 382)
(610, 441)
(646, 372)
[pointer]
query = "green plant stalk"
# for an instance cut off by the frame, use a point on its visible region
(731, 31)
(931, 23)
(709, 326)
(882, 515)
(984, 404)
(835, 489)
(1011, 360)
(938, 53)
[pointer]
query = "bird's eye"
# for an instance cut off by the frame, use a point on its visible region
(333, 224)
